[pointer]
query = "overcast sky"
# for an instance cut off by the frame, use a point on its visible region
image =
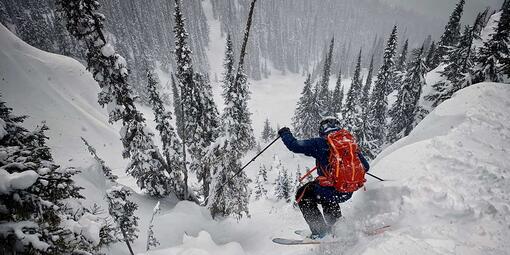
(443, 8)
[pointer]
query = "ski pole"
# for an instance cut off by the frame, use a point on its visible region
(253, 159)
(220, 189)
(375, 177)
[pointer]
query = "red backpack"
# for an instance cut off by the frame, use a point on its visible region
(346, 172)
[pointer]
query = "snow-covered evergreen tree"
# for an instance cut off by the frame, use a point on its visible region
(206, 133)
(323, 97)
(431, 61)
(238, 94)
(118, 203)
(260, 191)
(236, 107)
(152, 242)
(199, 112)
(268, 133)
(295, 180)
(362, 136)
(451, 34)
(228, 66)
(176, 94)
(338, 96)
(401, 63)
(229, 194)
(493, 60)
(351, 113)
(110, 71)
(171, 144)
(404, 110)
(400, 67)
(263, 172)
(378, 99)
(122, 211)
(283, 185)
(33, 193)
(365, 96)
(184, 78)
(107, 171)
(459, 63)
(306, 117)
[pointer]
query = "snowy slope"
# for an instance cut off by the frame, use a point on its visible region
(60, 91)
(451, 188)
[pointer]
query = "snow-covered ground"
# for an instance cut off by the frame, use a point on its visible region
(448, 190)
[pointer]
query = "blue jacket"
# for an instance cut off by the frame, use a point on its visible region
(319, 149)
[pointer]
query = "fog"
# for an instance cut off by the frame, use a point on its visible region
(442, 8)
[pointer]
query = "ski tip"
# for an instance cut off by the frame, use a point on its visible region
(285, 241)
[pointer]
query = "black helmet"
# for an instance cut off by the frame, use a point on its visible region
(328, 125)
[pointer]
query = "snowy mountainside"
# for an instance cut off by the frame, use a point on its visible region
(60, 91)
(448, 191)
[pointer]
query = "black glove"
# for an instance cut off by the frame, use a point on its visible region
(283, 130)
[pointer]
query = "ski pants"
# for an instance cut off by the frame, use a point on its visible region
(310, 195)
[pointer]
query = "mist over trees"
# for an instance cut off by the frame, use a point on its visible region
(284, 36)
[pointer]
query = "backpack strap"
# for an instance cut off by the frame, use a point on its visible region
(307, 173)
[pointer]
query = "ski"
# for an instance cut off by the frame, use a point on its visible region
(306, 241)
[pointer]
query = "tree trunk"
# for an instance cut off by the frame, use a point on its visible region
(127, 242)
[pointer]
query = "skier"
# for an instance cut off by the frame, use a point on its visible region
(313, 193)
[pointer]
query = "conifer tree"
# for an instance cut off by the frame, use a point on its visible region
(365, 96)
(283, 184)
(323, 97)
(458, 72)
(121, 209)
(229, 188)
(404, 110)
(177, 106)
(451, 32)
(152, 242)
(184, 77)
(306, 117)
(351, 114)
(493, 60)
(34, 193)
(400, 65)
(378, 99)
(263, 172)
(362, 135)
(430, 60)
(110, 71)
(295, 180)
(228, 66)
(199, 112)
(107, 171)
(237, 104)
(171, 144)
(268, 132)
(229, 194)
(260, 190)
(207, 132)
(338, 96)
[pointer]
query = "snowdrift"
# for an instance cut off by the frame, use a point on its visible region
(60, 91)
(450, 187)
